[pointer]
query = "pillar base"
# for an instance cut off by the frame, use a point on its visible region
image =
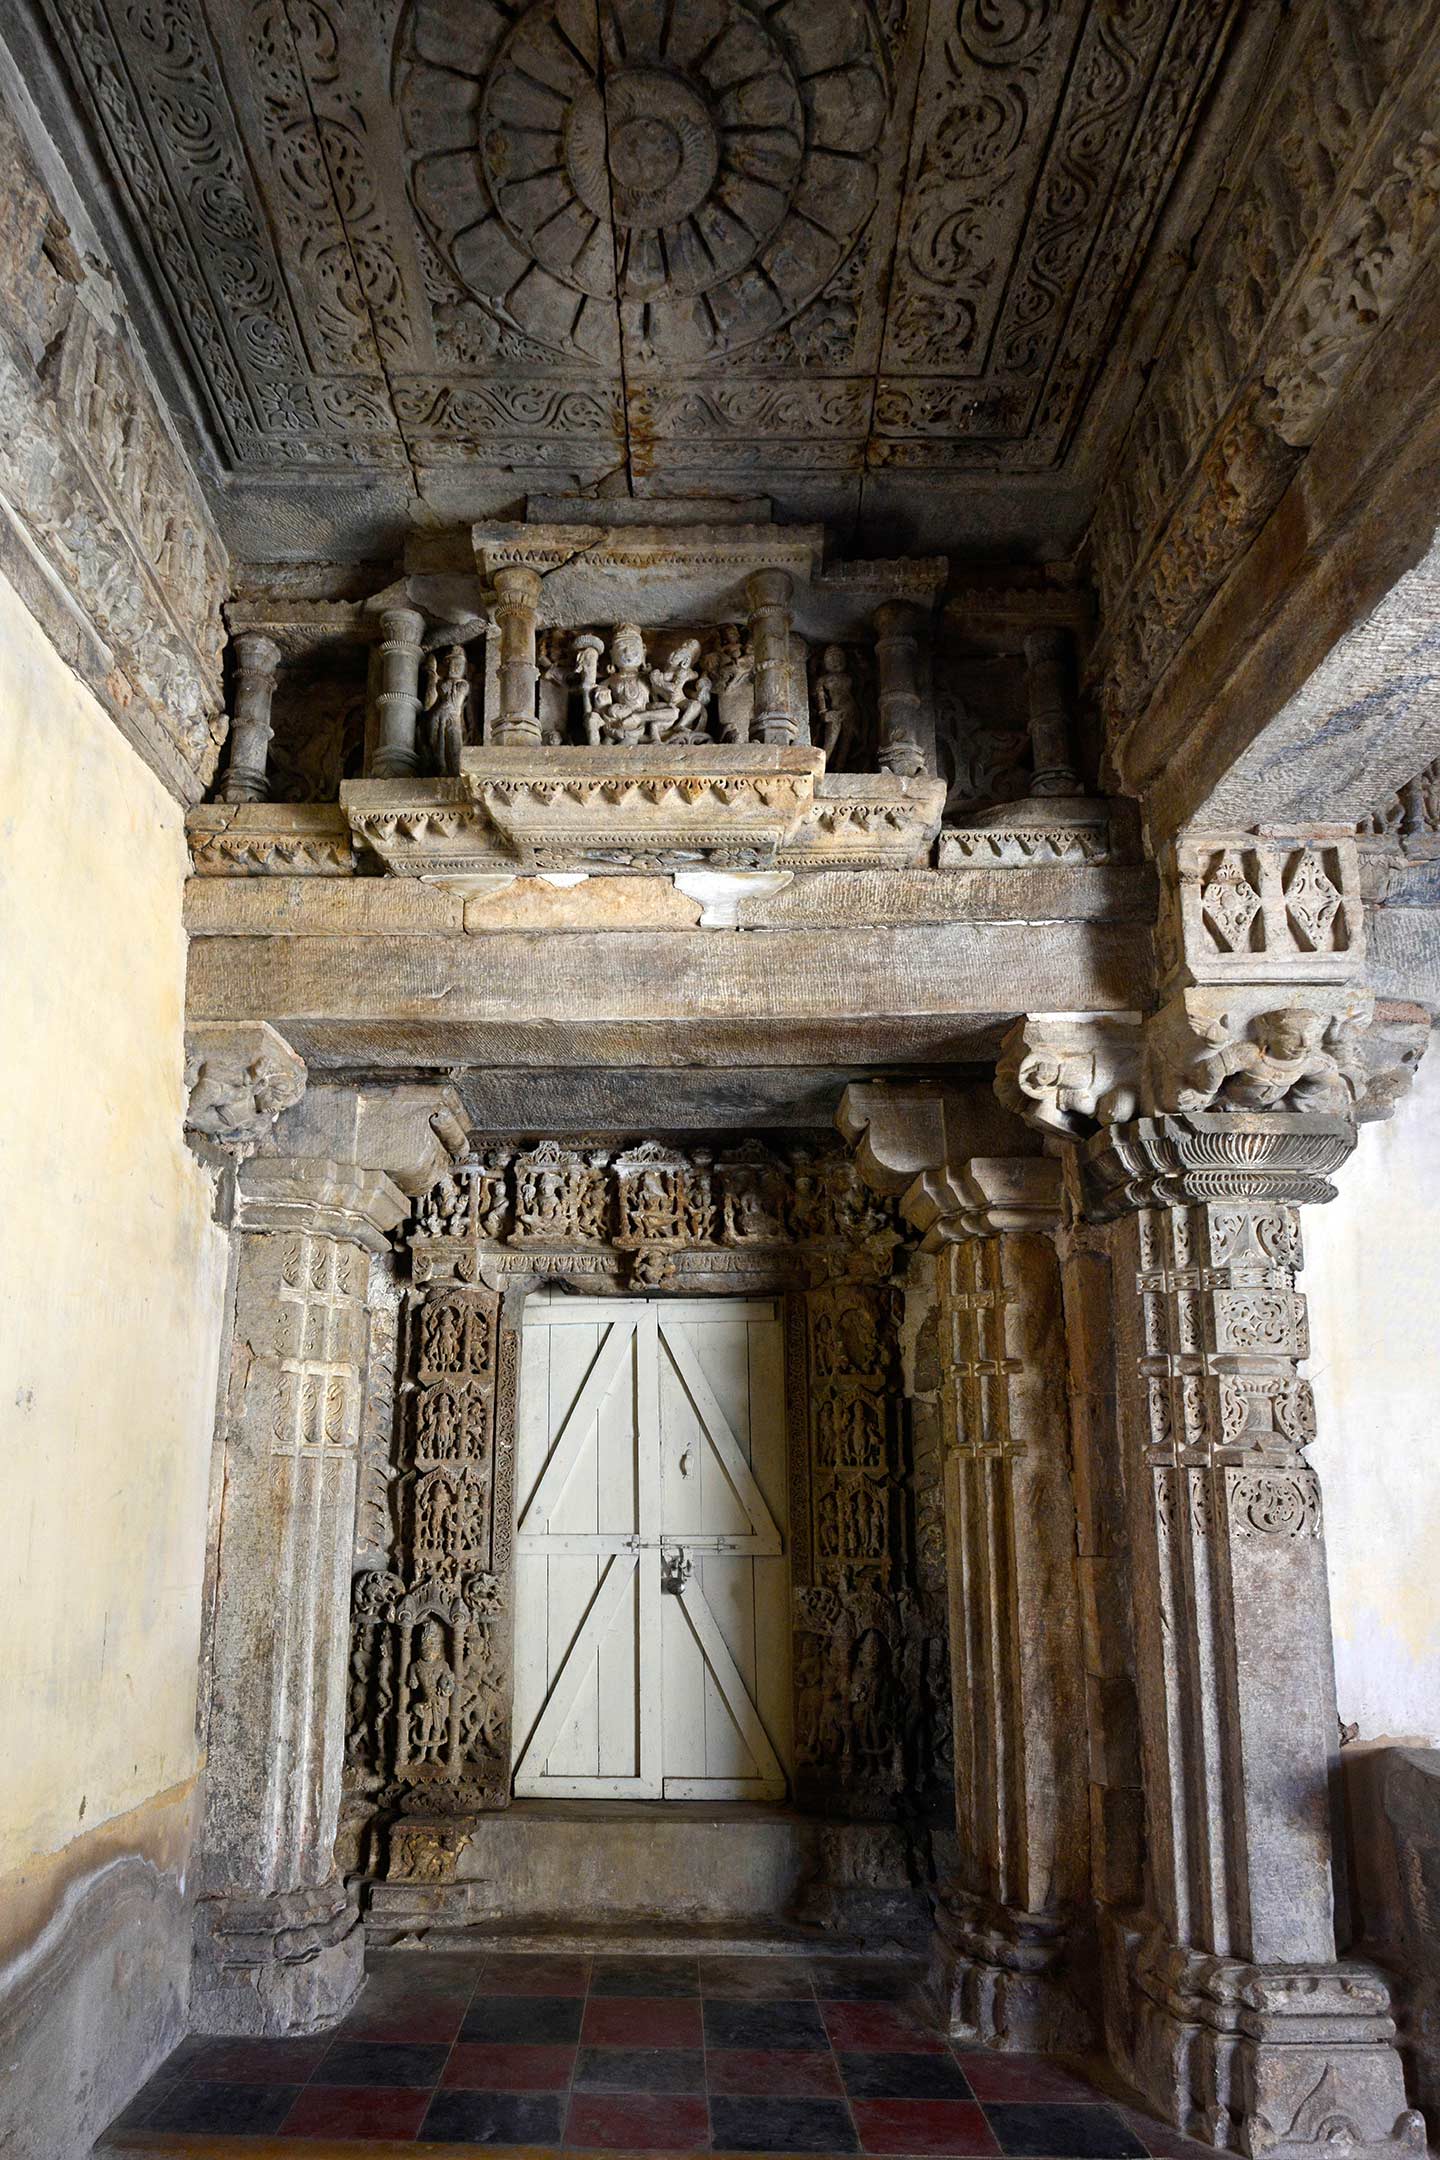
(1005, 1979)
(1278, 2062)
(270, 1967)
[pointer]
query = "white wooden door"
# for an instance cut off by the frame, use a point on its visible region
(651, 1592)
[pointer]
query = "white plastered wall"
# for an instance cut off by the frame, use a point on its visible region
(111, 1274)
(1372, 1274)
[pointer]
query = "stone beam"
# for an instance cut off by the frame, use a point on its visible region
(936, 992)
(1366, 721)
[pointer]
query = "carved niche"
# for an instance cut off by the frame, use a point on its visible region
(431, 1631)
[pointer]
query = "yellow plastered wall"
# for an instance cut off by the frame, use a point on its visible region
(111, 1271)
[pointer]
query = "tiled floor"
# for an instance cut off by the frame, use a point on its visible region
(638, 2055)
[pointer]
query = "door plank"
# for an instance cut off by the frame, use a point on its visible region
(571, 1438)
(717, 1656)
(577, 1666)
(722, 1439)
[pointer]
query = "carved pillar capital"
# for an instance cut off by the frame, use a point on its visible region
(320, 1198)
(240, 1076)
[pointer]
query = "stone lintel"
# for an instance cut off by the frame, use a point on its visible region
(408, 1132)
(942, 992)
(320, 1198)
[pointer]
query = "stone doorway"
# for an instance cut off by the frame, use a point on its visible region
(802, 1710)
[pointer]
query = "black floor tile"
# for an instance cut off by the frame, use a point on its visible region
(763, 2025)
(523, 2017)
(865, 1979)
(656, 2070)
(480, 2118)
(782, 2126)
(383, 2062)
(1074, 2130)
(194, 2105)
(756, 1979)
(904, 2077)
(645, 1976)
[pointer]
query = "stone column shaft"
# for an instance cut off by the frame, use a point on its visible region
(517, 613)
(769, 593)
(398, 699)
(907, 733)
(256, 660)
(279, 1947)
(1246, 2032)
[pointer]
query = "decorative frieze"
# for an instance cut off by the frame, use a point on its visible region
(92, 476)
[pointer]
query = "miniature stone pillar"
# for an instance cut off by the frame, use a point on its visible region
(769, 593)
(907, 735)
(1052, 748)
(278, 1941)
(517, 613)
(402, 628)
(256, 660)
(1009, 1923)
(1245, 2031)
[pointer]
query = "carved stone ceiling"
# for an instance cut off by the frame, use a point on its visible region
(869, 258)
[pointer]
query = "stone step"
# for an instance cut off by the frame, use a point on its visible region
(740, 1878)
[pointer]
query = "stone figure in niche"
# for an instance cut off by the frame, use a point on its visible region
(1278, 1061)
(447, 694)
(482, 1707)
(838, 709)
(431, 1685)
(732, 671)
(617, 709)
(640, 701)
(553, 688)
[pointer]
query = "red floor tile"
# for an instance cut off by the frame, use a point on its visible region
(1022, 2077)
(641, 2021)
(873, 2025)
(922, 2126)
(638, 2122)
(512, 2067)
(357, 2111)
(788, 2073)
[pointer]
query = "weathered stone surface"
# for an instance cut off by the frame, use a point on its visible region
(779, 300)
(940, 993)
(104, 525)
(240, 1079)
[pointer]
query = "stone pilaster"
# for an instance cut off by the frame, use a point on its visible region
(1245, 2030)
(1010, 1932)
(278, 1941)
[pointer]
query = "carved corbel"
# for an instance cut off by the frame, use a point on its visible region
(1245, 1048)
(240, 1076)
(1069, 1074)
(939, 1151)
(411, 1133)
